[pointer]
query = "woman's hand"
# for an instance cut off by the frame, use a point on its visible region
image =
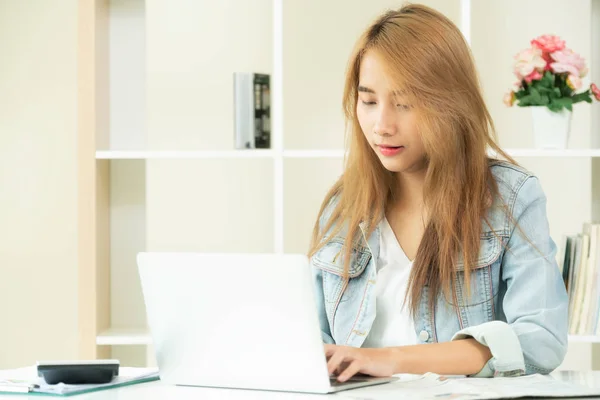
(348, 361)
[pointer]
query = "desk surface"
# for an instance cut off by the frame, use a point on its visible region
(158, 391)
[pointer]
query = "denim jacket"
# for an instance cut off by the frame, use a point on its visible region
(518, 303)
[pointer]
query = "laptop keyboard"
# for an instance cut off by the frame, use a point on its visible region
(356, 379)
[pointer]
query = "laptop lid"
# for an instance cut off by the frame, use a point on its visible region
(234, 320)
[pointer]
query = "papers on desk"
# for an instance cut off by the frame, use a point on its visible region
(432, 386)
(25, 380)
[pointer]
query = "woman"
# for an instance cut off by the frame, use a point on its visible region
(428, 255)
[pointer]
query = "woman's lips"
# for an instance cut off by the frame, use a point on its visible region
(389, 151)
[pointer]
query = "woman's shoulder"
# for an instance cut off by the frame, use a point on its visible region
(509, 177)
(517, 186)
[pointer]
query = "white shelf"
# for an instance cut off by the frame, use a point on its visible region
(145, 155)
(116, 337)
(125, 336)
(584, 339)
(220, 154)
(553, 153)
(313, 153)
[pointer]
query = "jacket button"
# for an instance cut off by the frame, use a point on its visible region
(423, 336)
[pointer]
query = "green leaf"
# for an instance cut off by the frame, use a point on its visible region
(525, 101)
(583, 96)
(547, 80)
(557, 92)
(565, 102)
(554, 107)
(545, 91)
(536, 98)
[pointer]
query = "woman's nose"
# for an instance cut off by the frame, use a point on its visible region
(386, 124)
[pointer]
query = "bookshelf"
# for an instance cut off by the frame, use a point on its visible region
(169, 140)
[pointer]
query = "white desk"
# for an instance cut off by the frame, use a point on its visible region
(159, 391)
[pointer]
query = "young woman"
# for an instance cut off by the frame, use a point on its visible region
(428, 255)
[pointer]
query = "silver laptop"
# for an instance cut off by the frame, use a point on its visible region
(245, 321)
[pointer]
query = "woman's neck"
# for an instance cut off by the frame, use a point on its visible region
(410, 189)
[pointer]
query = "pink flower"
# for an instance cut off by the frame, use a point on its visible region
(535, 75)
(509, 99)
(568, 61)
(574, 82)
(528, 60)
(548, 60)
(548, 43)
(595, 91)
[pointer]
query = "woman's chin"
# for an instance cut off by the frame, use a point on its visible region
(401, 166)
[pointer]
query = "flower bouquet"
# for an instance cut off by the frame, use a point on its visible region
(548, 77)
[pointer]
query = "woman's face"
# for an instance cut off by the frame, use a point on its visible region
(387, 120)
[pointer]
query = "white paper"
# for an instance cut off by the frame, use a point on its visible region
(432, 386)
(29, 374)
(125, 375)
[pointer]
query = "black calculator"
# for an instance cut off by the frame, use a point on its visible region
(78, 372)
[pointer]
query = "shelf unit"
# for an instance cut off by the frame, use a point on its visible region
(149, 155)
(149, 107)
(228, 154)
(142, 337)
(115, 337)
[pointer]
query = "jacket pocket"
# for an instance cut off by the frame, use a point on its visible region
(330, 260)
(490, 249)
(484, 277)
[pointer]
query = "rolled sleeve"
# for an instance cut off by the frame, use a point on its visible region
(533, 338)
(507, 355)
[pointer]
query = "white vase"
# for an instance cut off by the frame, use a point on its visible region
(551, 129)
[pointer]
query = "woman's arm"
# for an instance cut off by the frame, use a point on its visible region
(461, 357)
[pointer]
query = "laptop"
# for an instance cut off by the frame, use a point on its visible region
(244, 321)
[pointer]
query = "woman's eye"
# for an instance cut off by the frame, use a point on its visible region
(368, 103)
(404, 107)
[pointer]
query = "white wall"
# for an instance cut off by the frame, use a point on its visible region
(38, 200)
(305, 186)
(215, 205)
(127, 35)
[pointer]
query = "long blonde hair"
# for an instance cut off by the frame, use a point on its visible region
(426, 54)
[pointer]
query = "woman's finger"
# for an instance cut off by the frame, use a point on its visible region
(330, 349)
(349, 372)
(335, 360)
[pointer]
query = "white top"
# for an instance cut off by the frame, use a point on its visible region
(393, 325)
